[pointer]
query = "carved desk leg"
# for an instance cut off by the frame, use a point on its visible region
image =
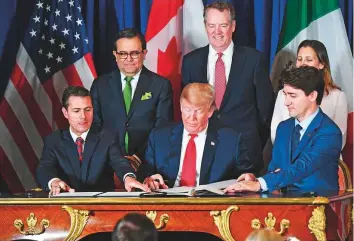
(78, 220)
(222, 221)
(317, 223)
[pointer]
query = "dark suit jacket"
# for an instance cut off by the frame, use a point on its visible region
(224, 156)
(100, 157)
(314, 165)
(144, 115)
(248, 102)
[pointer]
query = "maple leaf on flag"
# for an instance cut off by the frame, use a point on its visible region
(168, 67)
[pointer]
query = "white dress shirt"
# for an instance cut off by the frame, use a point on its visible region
(133, 82)
(199, 144)
(304, 124)
(213, 57)
(334, 105)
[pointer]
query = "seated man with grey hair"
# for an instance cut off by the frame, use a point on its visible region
(194, 152)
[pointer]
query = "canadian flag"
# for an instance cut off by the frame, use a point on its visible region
(175, 28)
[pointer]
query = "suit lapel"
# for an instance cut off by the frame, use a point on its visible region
(89, 148)
(309, 134)
(204, 66)
(175, 153)
(142, 86)
(208, 155)
(238, 60)
(115, 84)
(70, 149)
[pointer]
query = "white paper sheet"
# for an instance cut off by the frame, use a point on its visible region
(76, 194)
(120, 194)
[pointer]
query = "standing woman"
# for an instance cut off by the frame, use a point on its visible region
(334, 102)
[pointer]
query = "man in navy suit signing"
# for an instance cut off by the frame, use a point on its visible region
(81, 158)
(307, 146)
(243, 92)
(194, 152)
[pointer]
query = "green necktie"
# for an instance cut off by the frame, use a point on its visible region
(127, 95)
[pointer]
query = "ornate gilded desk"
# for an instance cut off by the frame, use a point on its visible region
(32, 216)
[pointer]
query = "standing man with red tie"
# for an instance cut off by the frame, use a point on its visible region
(194, 152)
(243, 91)
(81, 158)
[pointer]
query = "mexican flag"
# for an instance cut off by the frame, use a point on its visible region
(321, 20)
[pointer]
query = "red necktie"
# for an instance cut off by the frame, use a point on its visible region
(79, 144)
(189, 163)
(220, 80)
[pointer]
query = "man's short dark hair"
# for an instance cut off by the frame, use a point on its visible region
(130, 33)
(307, 79)
(221, 6)
(73, 91)
(135, 227)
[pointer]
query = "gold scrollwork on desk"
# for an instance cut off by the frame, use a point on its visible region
(270, 223)
(78, 220)
(31, 223)
(222, 221)
(317, 223)
(164, 218)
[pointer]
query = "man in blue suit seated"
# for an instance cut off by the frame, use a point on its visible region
(307, 145)
(81, 158)
(193, 153)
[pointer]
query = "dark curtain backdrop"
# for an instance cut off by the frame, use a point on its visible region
(258, 26)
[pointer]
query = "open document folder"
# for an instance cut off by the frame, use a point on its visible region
(216, 187)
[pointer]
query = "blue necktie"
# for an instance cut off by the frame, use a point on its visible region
(295, 139)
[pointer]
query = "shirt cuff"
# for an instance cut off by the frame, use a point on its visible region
(50, 182)
(263, 183)
(129, 174)
(136, 157)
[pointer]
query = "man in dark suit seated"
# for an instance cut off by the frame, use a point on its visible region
(193, 152)
(82, 158)
(131, 100)
(307, 146)
(243, 92)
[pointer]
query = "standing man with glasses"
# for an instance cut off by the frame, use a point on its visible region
(131, 100)
(243, 92)
(194, 152)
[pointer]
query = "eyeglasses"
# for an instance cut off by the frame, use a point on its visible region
(132, 54)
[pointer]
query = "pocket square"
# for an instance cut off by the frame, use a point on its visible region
(146, 96)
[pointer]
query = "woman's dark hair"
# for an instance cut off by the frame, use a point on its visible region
(322, 56)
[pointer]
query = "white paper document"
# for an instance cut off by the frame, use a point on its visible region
(77, 194)
(215, 187)
(120, 194)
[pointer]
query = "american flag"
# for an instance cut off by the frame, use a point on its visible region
(54, 54)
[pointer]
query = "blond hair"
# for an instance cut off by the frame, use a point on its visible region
(199, 94)
(264, 235)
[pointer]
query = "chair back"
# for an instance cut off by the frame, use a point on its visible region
(344, 178)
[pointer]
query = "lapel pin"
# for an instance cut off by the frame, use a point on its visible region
(212, 143)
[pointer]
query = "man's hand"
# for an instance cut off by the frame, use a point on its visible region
(155, 182)
(246, 177)
(243, 186)
(131, 182)
(59, 185)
